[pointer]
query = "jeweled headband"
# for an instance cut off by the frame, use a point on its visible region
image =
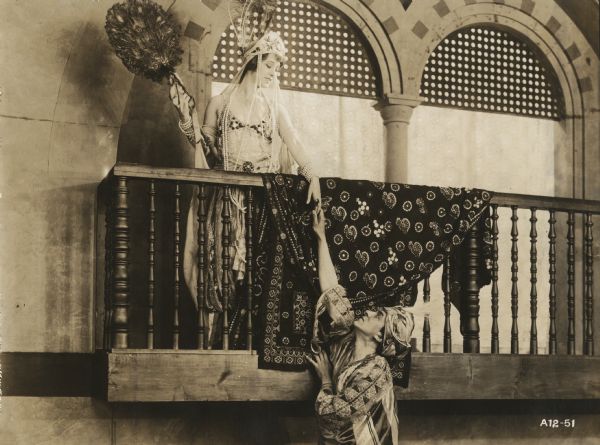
(269, 43)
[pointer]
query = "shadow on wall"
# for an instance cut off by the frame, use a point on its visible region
(94, 85)
(90, 76)
(149, 133)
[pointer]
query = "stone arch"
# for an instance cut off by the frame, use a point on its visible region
(203, 22)
(570, 132)
(357, 14)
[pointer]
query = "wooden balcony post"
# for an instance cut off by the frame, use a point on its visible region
(250, 265)
(447, 305)
(470, 293)
(495, 346)
(426, 323)
(151, 266)
(533, 281)
(201, 284)
(588, 342)
(226, 216)
(514, 293)
(120, 296)
(552, 293)
(177, 266)
(571, 283)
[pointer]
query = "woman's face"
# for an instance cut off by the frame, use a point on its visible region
(269, 70)
(371, 323)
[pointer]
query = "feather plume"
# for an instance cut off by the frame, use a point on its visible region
(252, 19)
(145, 38)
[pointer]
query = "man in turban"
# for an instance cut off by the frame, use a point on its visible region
(356, 402)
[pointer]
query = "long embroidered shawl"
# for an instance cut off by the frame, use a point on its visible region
(383, 239)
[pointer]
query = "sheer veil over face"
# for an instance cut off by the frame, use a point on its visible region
(268, 70)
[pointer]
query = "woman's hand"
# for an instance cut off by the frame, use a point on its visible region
(322, 366)
(184, 103)
(314, 191)
(319, 223)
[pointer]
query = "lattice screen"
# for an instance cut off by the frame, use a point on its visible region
(325, 54)
(486, 69)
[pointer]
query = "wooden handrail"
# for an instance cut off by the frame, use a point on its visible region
(546, 203)
(195, 175)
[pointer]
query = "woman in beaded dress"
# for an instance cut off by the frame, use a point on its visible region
(245, 129)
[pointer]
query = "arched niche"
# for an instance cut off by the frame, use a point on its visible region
(356, 14)
(570, 132)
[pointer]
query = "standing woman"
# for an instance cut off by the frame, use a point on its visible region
(245, 129)
(356, 402)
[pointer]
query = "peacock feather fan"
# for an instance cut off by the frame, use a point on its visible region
(144, 37)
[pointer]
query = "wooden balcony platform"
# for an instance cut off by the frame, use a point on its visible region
(135, 375)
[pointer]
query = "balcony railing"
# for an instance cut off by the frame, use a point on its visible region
(157, 341)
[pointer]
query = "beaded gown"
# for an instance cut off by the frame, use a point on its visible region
(252, 147)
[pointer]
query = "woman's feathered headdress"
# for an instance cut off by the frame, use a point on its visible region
(251, 20)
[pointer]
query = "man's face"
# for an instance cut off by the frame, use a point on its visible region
(371, 323)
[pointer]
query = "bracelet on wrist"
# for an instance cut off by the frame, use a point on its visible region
(184, 126)
(306, 172)
(187, 128)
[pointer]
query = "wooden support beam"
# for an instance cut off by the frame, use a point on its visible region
(166, 375)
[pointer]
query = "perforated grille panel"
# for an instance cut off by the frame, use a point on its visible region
(325, 54)
(486, 69)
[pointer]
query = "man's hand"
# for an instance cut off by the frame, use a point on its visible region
(322, 366)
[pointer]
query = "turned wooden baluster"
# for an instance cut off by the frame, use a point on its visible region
(514, 293)
(470, 294)
(151, 268)
(177, 266)
(447, 306)
(533, 281)
(571, 283)
(552, 280)
(226, 217)
(120, 300)
(426, 324)
(426, 290)
(588, 344)
(250, 265)
(202, 271)
(495, 332)
(426, 333)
